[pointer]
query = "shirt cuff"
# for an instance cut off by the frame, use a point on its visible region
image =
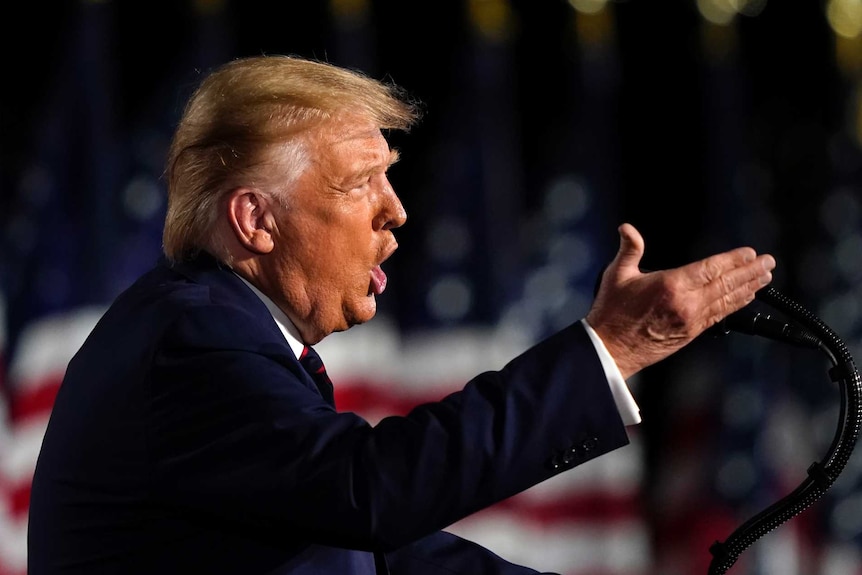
(626, 404)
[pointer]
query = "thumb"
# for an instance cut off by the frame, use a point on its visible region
(630, 252)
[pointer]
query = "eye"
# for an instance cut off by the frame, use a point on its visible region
(365, 181)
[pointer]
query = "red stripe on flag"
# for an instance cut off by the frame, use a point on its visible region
(18, 498)
(364, 396)
(35, 399)
(582, 505)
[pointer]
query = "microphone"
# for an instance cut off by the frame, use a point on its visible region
(753, 322)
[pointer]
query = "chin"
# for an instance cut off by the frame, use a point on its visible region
(365, 311)
(369, 310)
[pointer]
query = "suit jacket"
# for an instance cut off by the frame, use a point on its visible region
(186, 438)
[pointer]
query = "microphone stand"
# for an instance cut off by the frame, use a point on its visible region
(821, 474)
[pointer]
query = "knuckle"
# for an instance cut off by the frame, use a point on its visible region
(710, 269)
(727, 283)
(726, 304)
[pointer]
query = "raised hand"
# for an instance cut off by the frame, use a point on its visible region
(643, 317)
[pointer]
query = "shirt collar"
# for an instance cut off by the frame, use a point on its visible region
(291, 334)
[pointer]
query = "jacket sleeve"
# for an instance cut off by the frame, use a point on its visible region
(443, 553)
(236, 423)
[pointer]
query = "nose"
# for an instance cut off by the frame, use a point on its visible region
(392, 213)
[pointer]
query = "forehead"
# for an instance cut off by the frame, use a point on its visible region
(351, 142)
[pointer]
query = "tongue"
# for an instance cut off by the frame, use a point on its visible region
(378, 280)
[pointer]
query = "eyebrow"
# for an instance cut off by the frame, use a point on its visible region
(394, 156)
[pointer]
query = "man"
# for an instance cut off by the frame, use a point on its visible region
(188, 437)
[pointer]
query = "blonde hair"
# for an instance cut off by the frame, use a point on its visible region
(239, 112)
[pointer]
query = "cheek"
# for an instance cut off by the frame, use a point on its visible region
(341, 250)
(341, 268)
(349, 241)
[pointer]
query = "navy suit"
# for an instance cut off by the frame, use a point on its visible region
(186, 438)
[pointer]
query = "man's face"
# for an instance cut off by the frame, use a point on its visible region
(334, 232)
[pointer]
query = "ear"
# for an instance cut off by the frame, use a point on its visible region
(251, 219)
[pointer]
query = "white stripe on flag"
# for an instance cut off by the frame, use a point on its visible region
(420, 361)
(48, 344)
(19, 461)
(620, 547)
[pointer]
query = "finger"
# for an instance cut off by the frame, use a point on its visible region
(750, 277)
(631, 249)
(704, 272)
(735, 288)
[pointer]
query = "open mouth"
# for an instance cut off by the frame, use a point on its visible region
(378, 281)
(378, 276)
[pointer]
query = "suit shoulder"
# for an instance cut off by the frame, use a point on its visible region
(215, 306)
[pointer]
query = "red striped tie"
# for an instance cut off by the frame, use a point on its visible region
(312, 363)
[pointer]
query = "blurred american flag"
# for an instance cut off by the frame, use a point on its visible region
(492, 259)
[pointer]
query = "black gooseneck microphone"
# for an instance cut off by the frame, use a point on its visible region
(750, 321)
(806, 330)
(822, 473)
